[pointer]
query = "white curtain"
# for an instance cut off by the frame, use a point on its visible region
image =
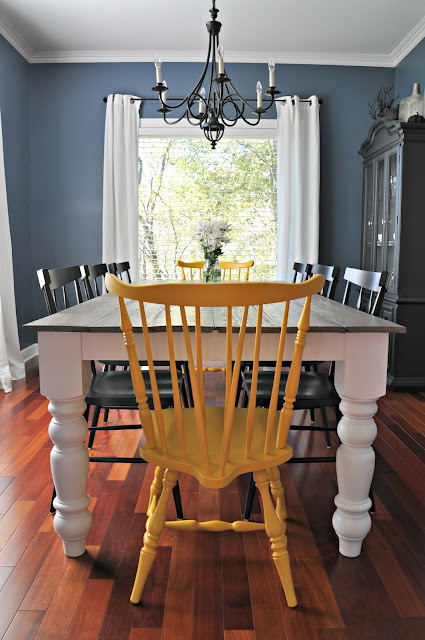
(120, 182)
(11, 363)
(298, 181)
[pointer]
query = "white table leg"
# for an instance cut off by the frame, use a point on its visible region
(360, 380)
(64, 379)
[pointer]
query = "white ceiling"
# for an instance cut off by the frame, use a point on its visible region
(360, 32)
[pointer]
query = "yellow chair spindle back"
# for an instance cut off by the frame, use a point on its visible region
(198, 338)
(194, 267)
(227, 295)
(227, 269)
(176, 394)
(276, 380)
(152, 376)
(229, 337)
(197, 399)
(136, 376)
(253, 395)
(293, 376)
(230, 407)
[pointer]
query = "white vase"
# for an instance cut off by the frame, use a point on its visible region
(411, 105)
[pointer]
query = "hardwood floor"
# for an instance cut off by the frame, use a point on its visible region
(209, 586)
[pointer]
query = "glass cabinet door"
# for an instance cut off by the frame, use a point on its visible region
(369, 236)
(380, 216)
(391, 219)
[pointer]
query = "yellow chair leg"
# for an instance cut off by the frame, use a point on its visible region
(154, 527)
(275, 529)
(278, 492)
(156, 488)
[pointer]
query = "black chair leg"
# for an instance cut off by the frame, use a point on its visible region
(372, 499)
(187, 383)
(312, 415)
(94, 422)
(183, 393)
(105, 415)
(52, 509)
(86, 413)
(178, 502)
(326, 425)
(240, 382)
(249, 497)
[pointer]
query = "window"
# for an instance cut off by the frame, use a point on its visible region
(182, 181)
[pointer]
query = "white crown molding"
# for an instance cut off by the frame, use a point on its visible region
(16, 40)
(362, 60)
(356, 60)
(408, 43)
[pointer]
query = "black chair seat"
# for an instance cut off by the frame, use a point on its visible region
(315, 389)
(113, 389)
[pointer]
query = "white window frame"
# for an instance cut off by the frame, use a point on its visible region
(156, 127)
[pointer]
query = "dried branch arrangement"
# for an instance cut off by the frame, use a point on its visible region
(382, 103)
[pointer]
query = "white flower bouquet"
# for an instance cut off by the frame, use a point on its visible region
(211, 236)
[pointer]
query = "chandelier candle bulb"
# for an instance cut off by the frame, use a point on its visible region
(164, 93)
(259, 95)
(271, 72)
(158, 69)
(220, 52)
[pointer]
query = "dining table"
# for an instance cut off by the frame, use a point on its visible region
(357, 342)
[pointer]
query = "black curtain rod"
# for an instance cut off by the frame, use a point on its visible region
(105, 99)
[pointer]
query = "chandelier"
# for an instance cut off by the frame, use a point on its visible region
(214, 103)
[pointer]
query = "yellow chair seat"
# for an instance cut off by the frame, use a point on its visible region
(237, 462)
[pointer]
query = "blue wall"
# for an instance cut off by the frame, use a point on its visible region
(409, 71)
(63, 138)
(14, 107)
(67, 125)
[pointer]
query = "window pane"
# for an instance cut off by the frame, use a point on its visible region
(183, 181)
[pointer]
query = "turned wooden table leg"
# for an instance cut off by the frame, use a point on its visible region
(360, 380)
(65, 379)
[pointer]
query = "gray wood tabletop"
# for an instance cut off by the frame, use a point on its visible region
(101, 315)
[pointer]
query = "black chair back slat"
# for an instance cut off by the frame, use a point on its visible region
(331, 274)
(120, 268)
(302, 269)
(91, 274)
(372, 288)
(65, 298)
(44, 281)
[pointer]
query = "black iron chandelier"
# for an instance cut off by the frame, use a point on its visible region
(220, 105)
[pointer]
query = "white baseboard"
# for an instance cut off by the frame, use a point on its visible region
(29, 352)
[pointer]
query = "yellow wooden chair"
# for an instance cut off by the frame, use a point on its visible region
(235, 270)
(212, 443)
(194, 267)
(230, 270)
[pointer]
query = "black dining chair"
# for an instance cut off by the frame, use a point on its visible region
(302, 271)
(109, 389)
(368, 289)
(331, 274)
(313, 386)
(93, 279)
(120, 269)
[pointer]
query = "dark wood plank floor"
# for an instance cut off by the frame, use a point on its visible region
(209, 586)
